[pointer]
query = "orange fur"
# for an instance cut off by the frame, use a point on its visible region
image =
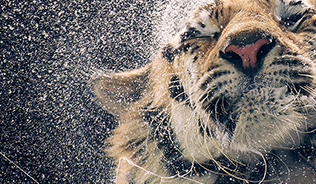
(189, 62)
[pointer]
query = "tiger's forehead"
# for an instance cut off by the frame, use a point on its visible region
(278, 9)
(216, 16)
(271, 4)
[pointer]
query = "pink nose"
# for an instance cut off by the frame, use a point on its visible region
(248, 53)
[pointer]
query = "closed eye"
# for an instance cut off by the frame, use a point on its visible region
(292, 13)
(292, 20)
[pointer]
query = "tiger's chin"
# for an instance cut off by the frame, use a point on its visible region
(261, 119)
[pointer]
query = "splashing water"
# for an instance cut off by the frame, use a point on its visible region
(172, 16)
(51, 129)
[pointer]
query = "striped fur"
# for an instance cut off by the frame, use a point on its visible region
(195, 115)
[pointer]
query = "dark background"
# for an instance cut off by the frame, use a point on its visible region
(50, 124)
(51, 127)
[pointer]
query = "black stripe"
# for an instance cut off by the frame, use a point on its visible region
(212, 77)
(223, 109)
(211, 13)
(195, 58)
(216, 14)
(216, 35)
(295, 3)
(162, 133)
(189, 34)
(310, 30)
(195, 48)
(176, 89)
(205, 128)
(186, 47)
(168, 53)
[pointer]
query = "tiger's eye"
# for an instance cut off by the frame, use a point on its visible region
(291, 20)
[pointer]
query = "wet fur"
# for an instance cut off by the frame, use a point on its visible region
(191, 116)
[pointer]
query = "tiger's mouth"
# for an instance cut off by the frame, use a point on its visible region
(225, 110)
(279, 78)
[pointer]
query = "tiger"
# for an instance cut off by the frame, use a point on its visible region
(229, 99)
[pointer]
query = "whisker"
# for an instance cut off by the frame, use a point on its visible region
(229, 158)
(169, 135)
(309, 89)
(230, 174)
(4, 156)
(306, 75)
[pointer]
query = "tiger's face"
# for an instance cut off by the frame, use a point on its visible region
(247, 71)
(238, 79)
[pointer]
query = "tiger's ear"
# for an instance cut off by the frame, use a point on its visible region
(117, 91)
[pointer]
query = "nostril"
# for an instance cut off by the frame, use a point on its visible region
(248, 53)
(248, 57)
(264, 50)
(233, 58)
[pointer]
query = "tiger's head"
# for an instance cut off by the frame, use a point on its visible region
(239, 79)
